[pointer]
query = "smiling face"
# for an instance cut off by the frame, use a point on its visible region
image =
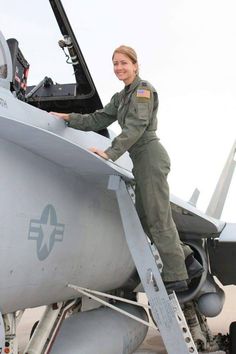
(124, 68)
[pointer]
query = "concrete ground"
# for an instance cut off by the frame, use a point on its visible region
(153, 343)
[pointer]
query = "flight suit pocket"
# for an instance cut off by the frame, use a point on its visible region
(143, 110)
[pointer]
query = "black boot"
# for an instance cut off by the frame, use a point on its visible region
(177, 286)
(194, 268)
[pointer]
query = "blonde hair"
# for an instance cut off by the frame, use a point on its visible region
(129, 52)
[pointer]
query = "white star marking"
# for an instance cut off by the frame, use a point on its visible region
(47, 231)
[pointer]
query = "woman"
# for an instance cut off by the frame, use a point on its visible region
(135, 108)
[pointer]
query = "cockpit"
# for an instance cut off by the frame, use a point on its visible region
(81, 96)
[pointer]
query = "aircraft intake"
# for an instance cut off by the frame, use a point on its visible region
(101, 331)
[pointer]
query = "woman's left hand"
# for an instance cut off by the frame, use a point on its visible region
(99, 152)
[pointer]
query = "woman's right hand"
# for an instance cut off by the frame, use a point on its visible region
(64, 116)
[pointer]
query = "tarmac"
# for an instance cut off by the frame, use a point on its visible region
(153, 343)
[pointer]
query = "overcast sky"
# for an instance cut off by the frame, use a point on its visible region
(186, 49)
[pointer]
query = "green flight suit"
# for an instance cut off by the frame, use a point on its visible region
(135, 108)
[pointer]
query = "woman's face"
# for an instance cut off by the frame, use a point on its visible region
(124, 68)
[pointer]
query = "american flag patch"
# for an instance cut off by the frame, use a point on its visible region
(143, 93)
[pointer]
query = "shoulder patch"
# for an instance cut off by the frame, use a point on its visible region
(143, 83)
(143, 93)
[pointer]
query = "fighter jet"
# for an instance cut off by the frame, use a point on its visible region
(63, 239)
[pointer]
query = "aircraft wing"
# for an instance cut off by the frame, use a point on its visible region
(61, 150)
(190, 220)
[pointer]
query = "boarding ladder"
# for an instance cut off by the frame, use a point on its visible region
(165, 308)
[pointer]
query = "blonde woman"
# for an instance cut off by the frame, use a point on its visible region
(135, 109)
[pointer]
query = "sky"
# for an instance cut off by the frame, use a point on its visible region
(186, 49)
